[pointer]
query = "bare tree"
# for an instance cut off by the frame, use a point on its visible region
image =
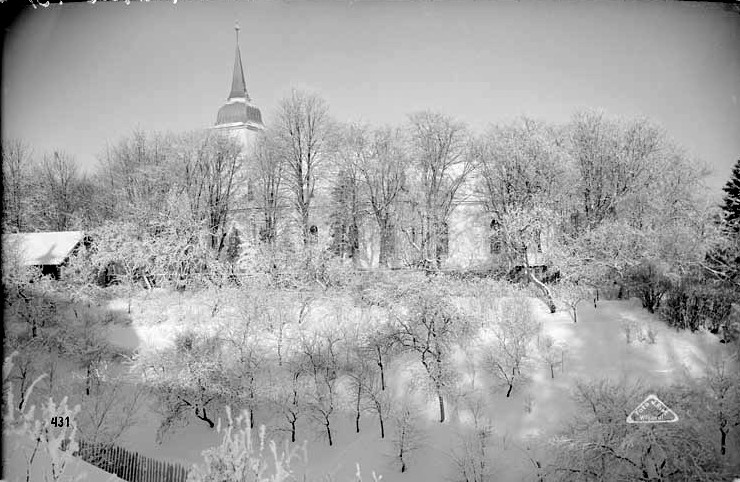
(380, 158)
(136, 176)
(17, 181)
(614, 161)
(599, 445)
(266, 168)
(442, 160)
(321, 358)
(288, 392)
(346, 213)
(429, 328)
(553, 353)
(572, 294)
(209, 170)
(246, 358)
(189, 378)
(472, 455)
(377, 401)
(514, 332)
(110, 410)
(407, 436)
(523, 184)
(59, 177)
(303, 129)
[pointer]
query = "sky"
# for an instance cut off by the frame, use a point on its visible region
(77, 77)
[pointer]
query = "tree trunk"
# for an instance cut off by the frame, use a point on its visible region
(251, 400)
(87, 381)
(441, 407)
(357, 408)
(292, 430)
(382, 425)
(328, 431)
(400, 454)
(511, 382)
(545, 290)
(386, 243)
(723, 441)
(204, 416)
(382, 373)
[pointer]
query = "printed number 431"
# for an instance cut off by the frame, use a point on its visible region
(60, 421)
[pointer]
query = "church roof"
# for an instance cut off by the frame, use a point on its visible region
(239, 110)
(238, 86)
(239, 113)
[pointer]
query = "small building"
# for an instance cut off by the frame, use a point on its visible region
(49, 251)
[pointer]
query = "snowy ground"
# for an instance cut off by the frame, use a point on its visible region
(17, 450)
(596, 347)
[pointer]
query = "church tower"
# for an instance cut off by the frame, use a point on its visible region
(239, 116)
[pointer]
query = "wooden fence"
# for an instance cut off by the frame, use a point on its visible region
(130, 466)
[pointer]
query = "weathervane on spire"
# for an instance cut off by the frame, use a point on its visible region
(236, 27)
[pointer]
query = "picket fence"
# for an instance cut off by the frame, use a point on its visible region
(129, 465)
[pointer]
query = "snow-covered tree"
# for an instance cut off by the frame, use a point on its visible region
(731, 205)
(513, 333)
(441, 163)
(429, 327)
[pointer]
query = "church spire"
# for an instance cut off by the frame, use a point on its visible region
(239, 111)
(238, 86)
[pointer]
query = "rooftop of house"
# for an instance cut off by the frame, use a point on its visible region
(46, 248)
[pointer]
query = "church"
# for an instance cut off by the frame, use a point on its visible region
(468, 243)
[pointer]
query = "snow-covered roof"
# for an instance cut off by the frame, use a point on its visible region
(50, 248)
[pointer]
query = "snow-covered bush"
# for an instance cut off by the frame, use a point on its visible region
(598, 444)
(241, 457)
(53, 432)
(692, 304)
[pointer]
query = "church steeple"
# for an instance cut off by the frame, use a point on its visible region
(239, 112)
(238, 86)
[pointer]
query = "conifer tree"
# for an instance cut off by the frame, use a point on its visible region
(731, 206)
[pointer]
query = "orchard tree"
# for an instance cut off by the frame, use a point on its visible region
(289, 391)
(513, 333)
(111, 409)
(303, 130)
(189, 378)
(246, 362)
(599, 445)
(572, 294)
(407, 437)
(320, 352)
(429, 327)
